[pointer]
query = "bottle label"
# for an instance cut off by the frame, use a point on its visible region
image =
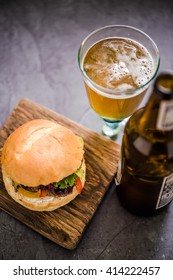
(165, 115)
(166, 192)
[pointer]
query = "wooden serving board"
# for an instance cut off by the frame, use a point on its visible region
(65, 226)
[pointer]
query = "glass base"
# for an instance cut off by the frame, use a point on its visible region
(94, 122)
(111, 128)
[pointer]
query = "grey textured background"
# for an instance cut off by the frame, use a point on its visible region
(39, 41)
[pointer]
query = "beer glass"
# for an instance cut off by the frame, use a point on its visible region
(118, 63)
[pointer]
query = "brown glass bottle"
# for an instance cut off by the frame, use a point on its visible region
(146, 181)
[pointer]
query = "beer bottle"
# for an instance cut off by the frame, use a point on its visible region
(146, 177)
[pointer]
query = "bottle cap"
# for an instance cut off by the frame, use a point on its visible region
(164, 85)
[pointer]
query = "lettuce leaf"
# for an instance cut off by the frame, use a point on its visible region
(80, 173)
(70, 180)
(66, 182)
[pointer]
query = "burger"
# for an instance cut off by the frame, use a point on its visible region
(43, 165)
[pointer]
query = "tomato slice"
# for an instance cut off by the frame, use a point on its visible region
(43, 193)
(78, 184)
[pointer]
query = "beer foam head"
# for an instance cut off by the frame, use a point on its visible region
(119, 63)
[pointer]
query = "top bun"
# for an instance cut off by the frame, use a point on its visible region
(41, 152)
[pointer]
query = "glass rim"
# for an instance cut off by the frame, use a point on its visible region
(114, 92)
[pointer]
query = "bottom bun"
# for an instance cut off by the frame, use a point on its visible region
(47, 203)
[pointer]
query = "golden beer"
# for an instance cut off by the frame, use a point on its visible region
(119, 64)
(113, 108)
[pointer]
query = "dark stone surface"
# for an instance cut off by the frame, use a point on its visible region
(39, 41)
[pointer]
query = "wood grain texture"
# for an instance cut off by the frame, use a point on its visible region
(65, 226)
